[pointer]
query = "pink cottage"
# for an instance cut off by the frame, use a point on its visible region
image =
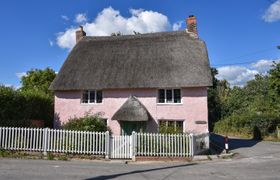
(144, 82)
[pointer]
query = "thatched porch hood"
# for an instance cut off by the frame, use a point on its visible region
(154, 60)
(132, 110)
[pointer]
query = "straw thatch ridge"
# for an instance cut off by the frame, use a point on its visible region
(132, 110)
(154, 60)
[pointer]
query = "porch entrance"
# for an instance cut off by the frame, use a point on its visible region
(127, 127)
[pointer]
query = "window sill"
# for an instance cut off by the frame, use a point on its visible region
(90, 104)
(168, 104)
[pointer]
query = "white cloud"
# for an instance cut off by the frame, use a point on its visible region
(236, 75)
(20, 74)
(272, 14)
(176, 26)
(263, 65)
(109, 21)
(239, 75)
(81, 18)
(66, 18)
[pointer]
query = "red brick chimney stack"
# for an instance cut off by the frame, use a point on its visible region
(80, 34)
(191, 24)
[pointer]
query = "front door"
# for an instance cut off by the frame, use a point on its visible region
(129, 126)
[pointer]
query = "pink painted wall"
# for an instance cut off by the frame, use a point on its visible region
(193, 107)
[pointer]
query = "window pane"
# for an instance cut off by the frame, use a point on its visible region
(85, 97)
(171, 124)
(179, 126)
(177, 96)
(99, 97)
(92, 96)
(161, 96)
(169, 96)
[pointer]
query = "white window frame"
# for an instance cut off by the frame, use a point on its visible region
(165, 98)
(88, 94)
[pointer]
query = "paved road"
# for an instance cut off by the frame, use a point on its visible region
(260, 160)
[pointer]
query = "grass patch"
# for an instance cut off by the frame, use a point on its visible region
(63, 158)
(4, 153)
(50, 156)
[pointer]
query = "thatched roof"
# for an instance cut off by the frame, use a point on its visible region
(155, 60)
(132, 110)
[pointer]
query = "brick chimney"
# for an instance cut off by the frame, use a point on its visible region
(191, 25)
(80, 34)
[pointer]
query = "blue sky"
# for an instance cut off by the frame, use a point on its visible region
(39, 34)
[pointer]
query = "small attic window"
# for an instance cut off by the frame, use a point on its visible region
(92, 97)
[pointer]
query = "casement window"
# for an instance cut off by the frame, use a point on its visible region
(171, 126)
(169, 96)
(91, 97)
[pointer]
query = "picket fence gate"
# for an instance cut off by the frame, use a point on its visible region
(101, 143)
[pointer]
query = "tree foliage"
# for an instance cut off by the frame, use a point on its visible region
(38, 80)
(249, 109)
(33, 101)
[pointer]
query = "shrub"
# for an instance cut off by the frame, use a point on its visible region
(86, 123)
(248, 123)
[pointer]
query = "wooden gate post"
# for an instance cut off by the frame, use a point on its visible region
(45, 140)
(107, 145)
(133, 146)
(192, 144)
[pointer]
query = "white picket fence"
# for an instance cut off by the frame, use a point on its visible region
(101, 143)
(171, 145)
(52, 140)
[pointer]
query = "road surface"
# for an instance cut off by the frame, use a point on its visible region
(256, 160)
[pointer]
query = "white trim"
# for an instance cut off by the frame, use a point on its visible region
(163, 104)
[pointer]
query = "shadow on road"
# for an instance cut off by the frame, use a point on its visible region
(234, 143)
(137, 171)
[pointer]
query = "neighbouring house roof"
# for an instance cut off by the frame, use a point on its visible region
(154, 60)
(132, 110)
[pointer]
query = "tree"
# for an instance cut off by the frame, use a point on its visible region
(274, 84)
(38, 80)
(256, 106)
(214, 108)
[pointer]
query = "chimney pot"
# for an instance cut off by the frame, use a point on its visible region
(191, 24)
(80, 34)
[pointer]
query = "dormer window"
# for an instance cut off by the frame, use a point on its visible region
(92, 97)
(169, 96)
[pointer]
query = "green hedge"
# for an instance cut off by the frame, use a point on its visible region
(248, 124)
(18, 108)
